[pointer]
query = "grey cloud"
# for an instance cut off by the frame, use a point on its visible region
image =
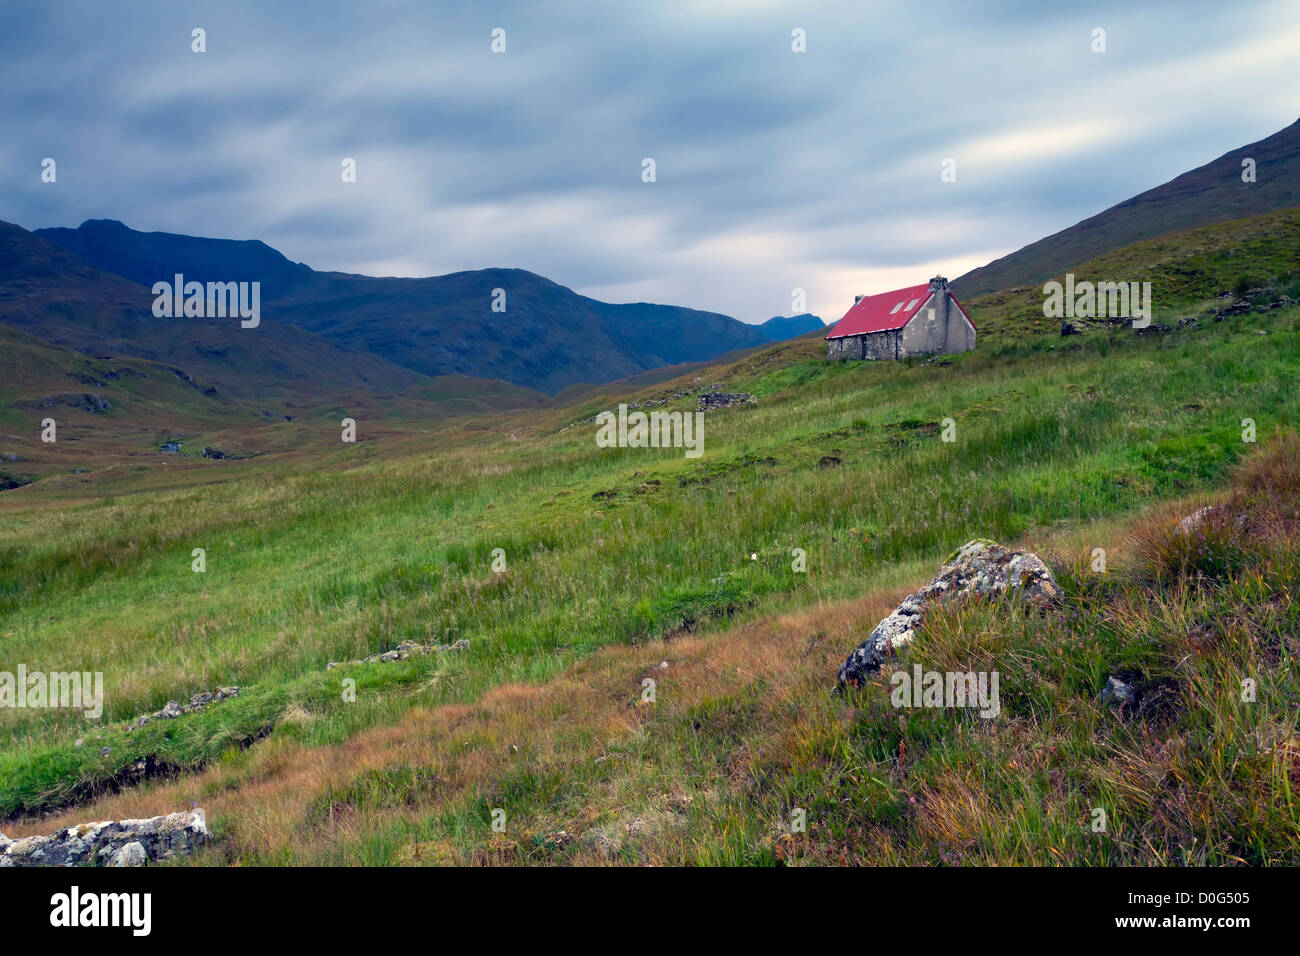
(775, 168)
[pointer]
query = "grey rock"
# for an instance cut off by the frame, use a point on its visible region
(403, 651)
(132, 854)
(173, 709)
(713, 400)
(1118, 694)
(1194, 521)
(977, 568)
(111, 843)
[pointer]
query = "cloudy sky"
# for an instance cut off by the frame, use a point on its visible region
(775, 170)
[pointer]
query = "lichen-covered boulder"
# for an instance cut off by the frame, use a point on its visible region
(977, 567)
(111, 842)
(132, 854)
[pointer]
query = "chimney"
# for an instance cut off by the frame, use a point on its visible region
(858, 298)
(938, 284)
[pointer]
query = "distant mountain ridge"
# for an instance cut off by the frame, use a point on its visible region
(782, 327)
(1209, 194)
(61, 299)
(548, 338)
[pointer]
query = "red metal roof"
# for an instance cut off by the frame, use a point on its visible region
(880, 313)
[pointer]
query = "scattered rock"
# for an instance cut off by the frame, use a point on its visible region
(713, 400)
(1131, 693)
(86, 401)
(401, 652)
(1071, 327)
(1118, 694)
(651, 402)
(1197, 519)
(213, 452)
(830, 461)
(172, 709)
(978, 567)
(111, 843)
(405, 650)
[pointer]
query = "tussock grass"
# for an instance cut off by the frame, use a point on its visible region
(308, 567)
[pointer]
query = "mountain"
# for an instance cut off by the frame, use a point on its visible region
(1209, 194)
(548, 338)
(62, 300)
(1256, 258)
(782, 327)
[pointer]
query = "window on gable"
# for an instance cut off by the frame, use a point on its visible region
(896, 308)
(912, 304)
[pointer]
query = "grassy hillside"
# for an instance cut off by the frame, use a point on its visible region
(618, 559)
(1187, 271)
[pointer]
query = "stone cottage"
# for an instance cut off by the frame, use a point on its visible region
(919, 320)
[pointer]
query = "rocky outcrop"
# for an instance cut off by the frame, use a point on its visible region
(110, 842)
(652, 402)
(86, 401)
(403, 651)
(173, 709)
(976, 568)
(712, 400)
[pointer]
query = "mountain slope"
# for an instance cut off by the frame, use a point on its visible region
(1208, 194)
(782, 327)
(549, 337)
(62, 300)
(1187, 270)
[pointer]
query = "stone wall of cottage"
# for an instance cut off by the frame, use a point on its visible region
(937, 328)
(874, 346)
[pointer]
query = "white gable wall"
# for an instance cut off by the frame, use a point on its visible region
(939, 327)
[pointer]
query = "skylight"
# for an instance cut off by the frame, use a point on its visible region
(896, 308)
(911, 304)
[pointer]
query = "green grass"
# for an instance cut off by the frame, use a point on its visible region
(1187, 271)
(305, 566)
